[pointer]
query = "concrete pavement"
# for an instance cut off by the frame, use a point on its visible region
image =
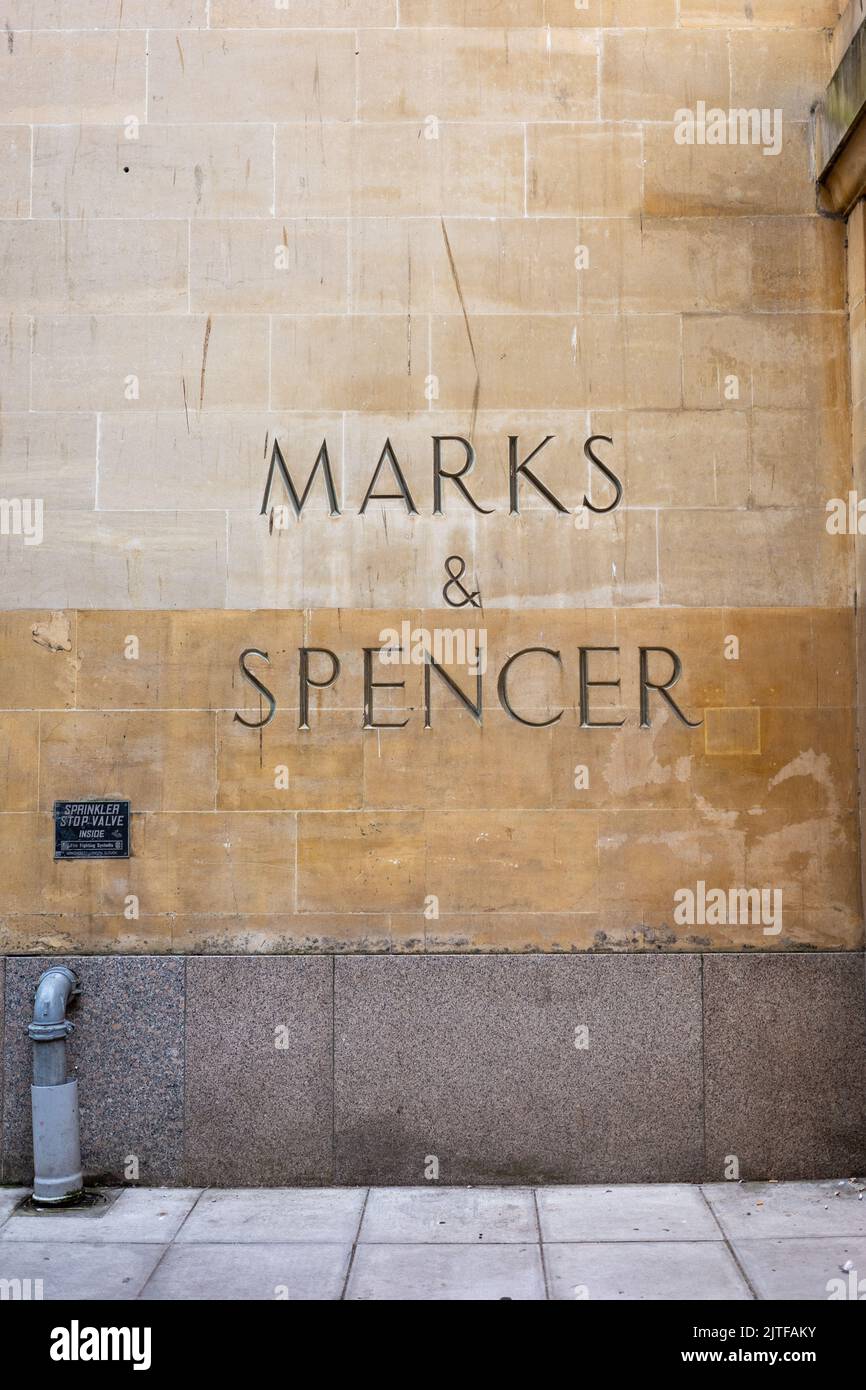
(731, 1241)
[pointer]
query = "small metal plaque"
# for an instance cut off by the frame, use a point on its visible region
(91, 829)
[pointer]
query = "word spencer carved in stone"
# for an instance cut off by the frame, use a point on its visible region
(319, 668)
(519, 473)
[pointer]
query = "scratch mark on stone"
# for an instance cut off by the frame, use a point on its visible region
(180, 51)
(477, 391)
(204, 361)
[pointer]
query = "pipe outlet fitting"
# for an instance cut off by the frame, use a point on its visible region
(58, 1179)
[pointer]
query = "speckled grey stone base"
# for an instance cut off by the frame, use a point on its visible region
(785, 1039)
(391, 1061)
(258, 1070)
(127, 1056)
(471, 1061)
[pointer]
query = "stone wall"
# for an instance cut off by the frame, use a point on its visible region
(458, 836)
(233, 222)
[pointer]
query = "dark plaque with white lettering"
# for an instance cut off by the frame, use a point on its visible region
(91, 830)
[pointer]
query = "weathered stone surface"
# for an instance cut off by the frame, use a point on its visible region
(556, 835)
(175, 362)
(333, 363)
(165, 762)
(304, 14)
(534, 362)
(169, 171)
(15, 331)
(102, 14)
(726, 180)
(818, 573)
(732, 14)
(786, 67)
(99, 79)
(268, 267)
(647, 76)
(104, 267)
(230, 862)
(122, 559)
(587, 171)
(373, 169)
(39, 663)
(250, 75)
(15, 148)
(468, 75)
(431, 265)
(350, 222)
(52, 457)
(19, 761)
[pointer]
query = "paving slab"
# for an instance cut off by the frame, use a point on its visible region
(274, 1271)
(757, 1210)
(152, 1214)
(659, 1243)
(81, 1269)
(644, 1271)
(446, 1272)
(413, 1214)
(276, 1215)
(663, 1212)
(9, 1199)
(817, 1269)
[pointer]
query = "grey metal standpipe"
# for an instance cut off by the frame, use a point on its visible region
(57, 1178)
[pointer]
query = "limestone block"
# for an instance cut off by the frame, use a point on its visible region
(374, 169)
(100, 267)
(166, 171)
(15, 155)
(98, 79)
(159, 762)
(538, 74)
(184, 363)
(263, 267)
(584, 170)
(251, 75)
